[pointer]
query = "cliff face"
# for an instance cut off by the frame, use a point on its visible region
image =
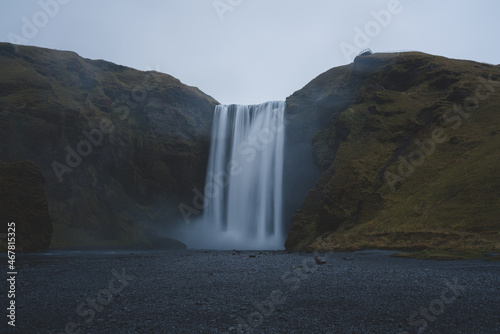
(23, 202)
(120, 149)
(407, 145)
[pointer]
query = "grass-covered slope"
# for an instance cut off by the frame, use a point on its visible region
(119, 148)
(409, 149)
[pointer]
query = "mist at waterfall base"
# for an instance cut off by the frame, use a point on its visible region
(243, 197)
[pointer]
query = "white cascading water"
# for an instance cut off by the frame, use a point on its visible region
(244, 188)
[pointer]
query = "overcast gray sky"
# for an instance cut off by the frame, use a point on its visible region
(252, 51)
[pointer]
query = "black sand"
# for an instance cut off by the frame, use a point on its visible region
(221, 291)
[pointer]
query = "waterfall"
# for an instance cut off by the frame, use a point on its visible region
(244, 189)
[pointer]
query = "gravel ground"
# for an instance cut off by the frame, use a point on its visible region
(251, 292)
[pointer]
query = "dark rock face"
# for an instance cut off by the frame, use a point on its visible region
(23, 202)
(380, 131)
(120, 149)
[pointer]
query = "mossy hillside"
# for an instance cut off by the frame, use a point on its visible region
(154, 156)
(450, 200)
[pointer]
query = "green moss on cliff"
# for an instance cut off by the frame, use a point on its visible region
(155, 154)
(448, 198)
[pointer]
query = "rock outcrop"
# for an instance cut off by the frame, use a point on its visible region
(120, 149)
(407, 145)
(23, 202)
